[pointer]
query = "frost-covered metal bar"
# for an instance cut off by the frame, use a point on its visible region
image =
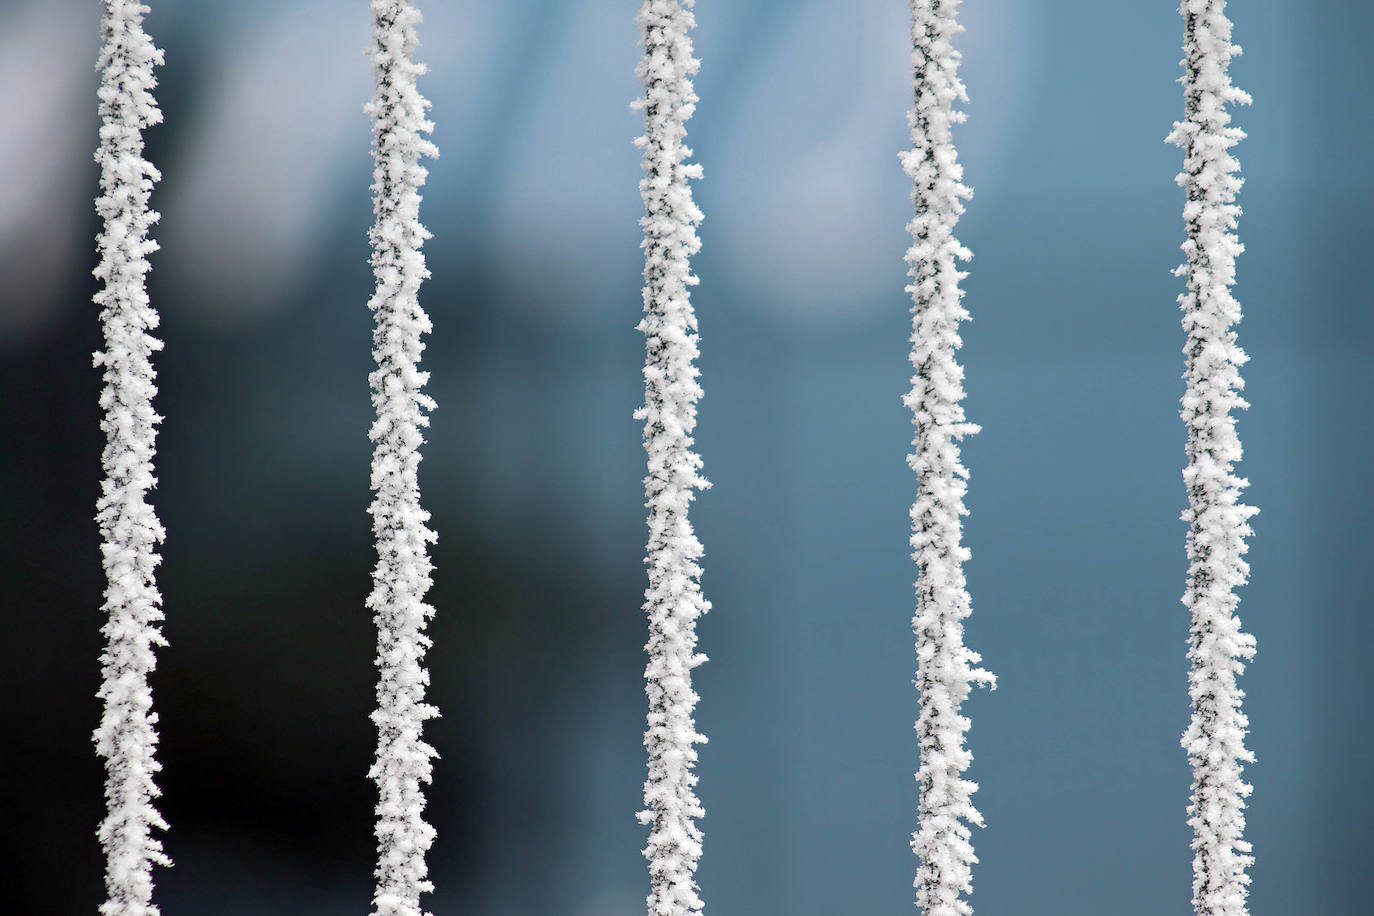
(1218, 521)
(402, 574)
(129, 527)
(673, 600)
(946, 669)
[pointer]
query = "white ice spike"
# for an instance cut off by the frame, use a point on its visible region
(673, 600)
(946, 669)
(1218, 522)
(402, 574)
(129, 528)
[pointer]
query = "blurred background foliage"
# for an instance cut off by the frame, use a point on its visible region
(533, 464)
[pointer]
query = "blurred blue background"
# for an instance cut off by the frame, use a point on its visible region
(533, 465)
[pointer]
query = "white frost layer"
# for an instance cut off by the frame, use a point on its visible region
(402, 574)
(129, 528)
(1217, 520)
(946, 669)
(673, 600)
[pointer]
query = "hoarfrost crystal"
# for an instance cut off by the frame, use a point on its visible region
(673, 600)
(130, 530)
(402, 575)
(1218, 521)
(946, 670)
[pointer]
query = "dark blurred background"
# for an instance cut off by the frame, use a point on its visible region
(533, 465)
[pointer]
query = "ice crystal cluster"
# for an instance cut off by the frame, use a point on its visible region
(946, 669)
(402, 574)
(1218, 521)
(673, 600)
(129, 528)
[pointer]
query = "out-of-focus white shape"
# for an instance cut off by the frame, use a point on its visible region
(464, 57)
(46, 52)
(566, 197)
(816, 198)
(283, 114)
(612, 903)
